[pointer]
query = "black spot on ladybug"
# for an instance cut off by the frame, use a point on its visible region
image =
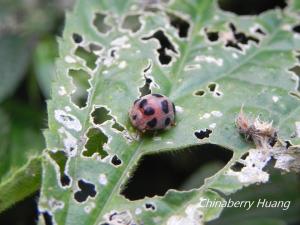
(134, 117)
(167, 121)
(203, 133)
(149, 111)
(174, 109)
(157, 95)
(165, 106)
(143, 103)
(116, 161)
(152, 123)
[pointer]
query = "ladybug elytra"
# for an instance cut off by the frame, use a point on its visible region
(152, 112)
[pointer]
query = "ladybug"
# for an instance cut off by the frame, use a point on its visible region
(152, 112)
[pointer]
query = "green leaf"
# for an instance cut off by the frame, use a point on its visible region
(23, 182)
(19, 37)
(208, 81)
(20, 148)
(23, 138)
(14, 58)
(44, 67)
(4, 134)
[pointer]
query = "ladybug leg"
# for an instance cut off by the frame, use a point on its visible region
(135, 135)
(140, 132)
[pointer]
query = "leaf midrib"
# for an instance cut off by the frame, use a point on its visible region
(128, 166)
(132, 160)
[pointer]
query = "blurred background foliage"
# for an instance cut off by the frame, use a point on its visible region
(28, 31)
(27, 52)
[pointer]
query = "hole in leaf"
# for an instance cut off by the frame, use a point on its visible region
(23, 212)
(181, 170)
(89, 57)
(239, 38)
(80, 80)
(260, 31)
(212, 87)
(218, 93)
(86, 189)
(150, 206)
(212, 36)
(245, 156)
(132, 23)
(272, 140)
(145, 90)
(101, 114)
(60, 158)
(65, 180)
(77, 38)
(233, 44)
(116, 161)
(118, 126)
(296, 29)
(99, 23)
(199, 93)
(288, 144)
(96, 140)
(166, 45)
(237, 166)
(113, 53)
(203, 133)
(250, 7)
(180, 24)
(47, 218)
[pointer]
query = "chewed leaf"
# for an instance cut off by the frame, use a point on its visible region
(208, 62)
